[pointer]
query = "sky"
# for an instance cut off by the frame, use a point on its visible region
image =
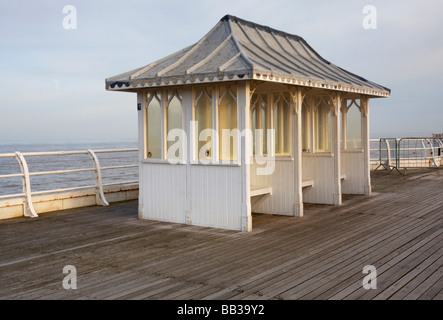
(52, 84)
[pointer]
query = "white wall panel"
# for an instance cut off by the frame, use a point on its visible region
(319, 168)
(164, 192)
(282, 182)
(352, 166)
(216, 196)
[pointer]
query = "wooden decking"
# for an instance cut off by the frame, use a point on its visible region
(398, 230)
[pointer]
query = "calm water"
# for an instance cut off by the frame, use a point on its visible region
(66, 162)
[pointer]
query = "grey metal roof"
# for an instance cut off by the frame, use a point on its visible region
(236, 49)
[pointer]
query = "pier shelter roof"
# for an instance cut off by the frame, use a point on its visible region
(236, 49)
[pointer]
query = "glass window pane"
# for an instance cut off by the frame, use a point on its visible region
(287, 132)
(323, 128)
(282, 125)
(174, 123)
(260, 115)
(228, 126)
(305, 126)
(264, 122)
(277, 129)
(203, 116)
(353, 128)
(153, 141)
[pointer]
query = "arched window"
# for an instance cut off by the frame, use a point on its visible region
(203, 117)
(174, 123)
(353, 126)
(227, 123)
(259, 121)
(306, 127)
(153, 125)
(282, 124)
(323, 119)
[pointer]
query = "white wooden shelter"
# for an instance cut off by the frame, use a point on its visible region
(298, 128)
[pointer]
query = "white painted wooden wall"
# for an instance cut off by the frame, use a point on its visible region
(353, 166)
(320, 168)
(282, 182)
(214, 195)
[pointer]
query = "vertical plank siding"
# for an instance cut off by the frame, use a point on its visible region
(352, 166)
(321, 170)
(281, 180)
(164, 192)
(215, 195)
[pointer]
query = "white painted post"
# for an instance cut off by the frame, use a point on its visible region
(100, 198)
(336, 101)
(243, 103)
(188, 108)
(29, 210)
(297, 100)
(141, 117)
(365, 144)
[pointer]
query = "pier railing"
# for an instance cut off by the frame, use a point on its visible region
(403, 153)
(27, 195)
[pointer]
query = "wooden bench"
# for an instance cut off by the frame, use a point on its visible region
(259, 195)
(310, 182)
(258, 191)
(307, 183)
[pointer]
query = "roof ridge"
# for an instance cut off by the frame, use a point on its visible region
(235, 19)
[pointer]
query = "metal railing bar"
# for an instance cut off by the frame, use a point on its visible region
(53, 153)
(7, 155)
(11, 175)
(40, 173)
(9, 196)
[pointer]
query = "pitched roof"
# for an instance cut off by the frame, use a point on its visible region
(236, 49)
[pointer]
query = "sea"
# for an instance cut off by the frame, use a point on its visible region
(13, 185)
(10, 165)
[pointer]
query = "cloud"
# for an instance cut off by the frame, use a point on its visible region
(53, 73)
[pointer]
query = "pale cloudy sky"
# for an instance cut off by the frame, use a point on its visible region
(52, 79)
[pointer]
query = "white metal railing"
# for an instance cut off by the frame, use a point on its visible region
(25, 174)
(406, 152)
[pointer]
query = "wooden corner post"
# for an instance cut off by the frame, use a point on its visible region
(297, 100)
(243, 103)
(365, 144)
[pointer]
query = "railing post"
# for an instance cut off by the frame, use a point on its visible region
(29, 210)
(99, 194)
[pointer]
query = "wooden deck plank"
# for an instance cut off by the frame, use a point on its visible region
(422, 282)
(319, 256)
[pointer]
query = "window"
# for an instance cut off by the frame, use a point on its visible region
(323, 125)
(203, 117)
(259, 103)
(282, 124)
(174, 124)
(306, 127)
(353, 126)
(153, 124)
(227, 123)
